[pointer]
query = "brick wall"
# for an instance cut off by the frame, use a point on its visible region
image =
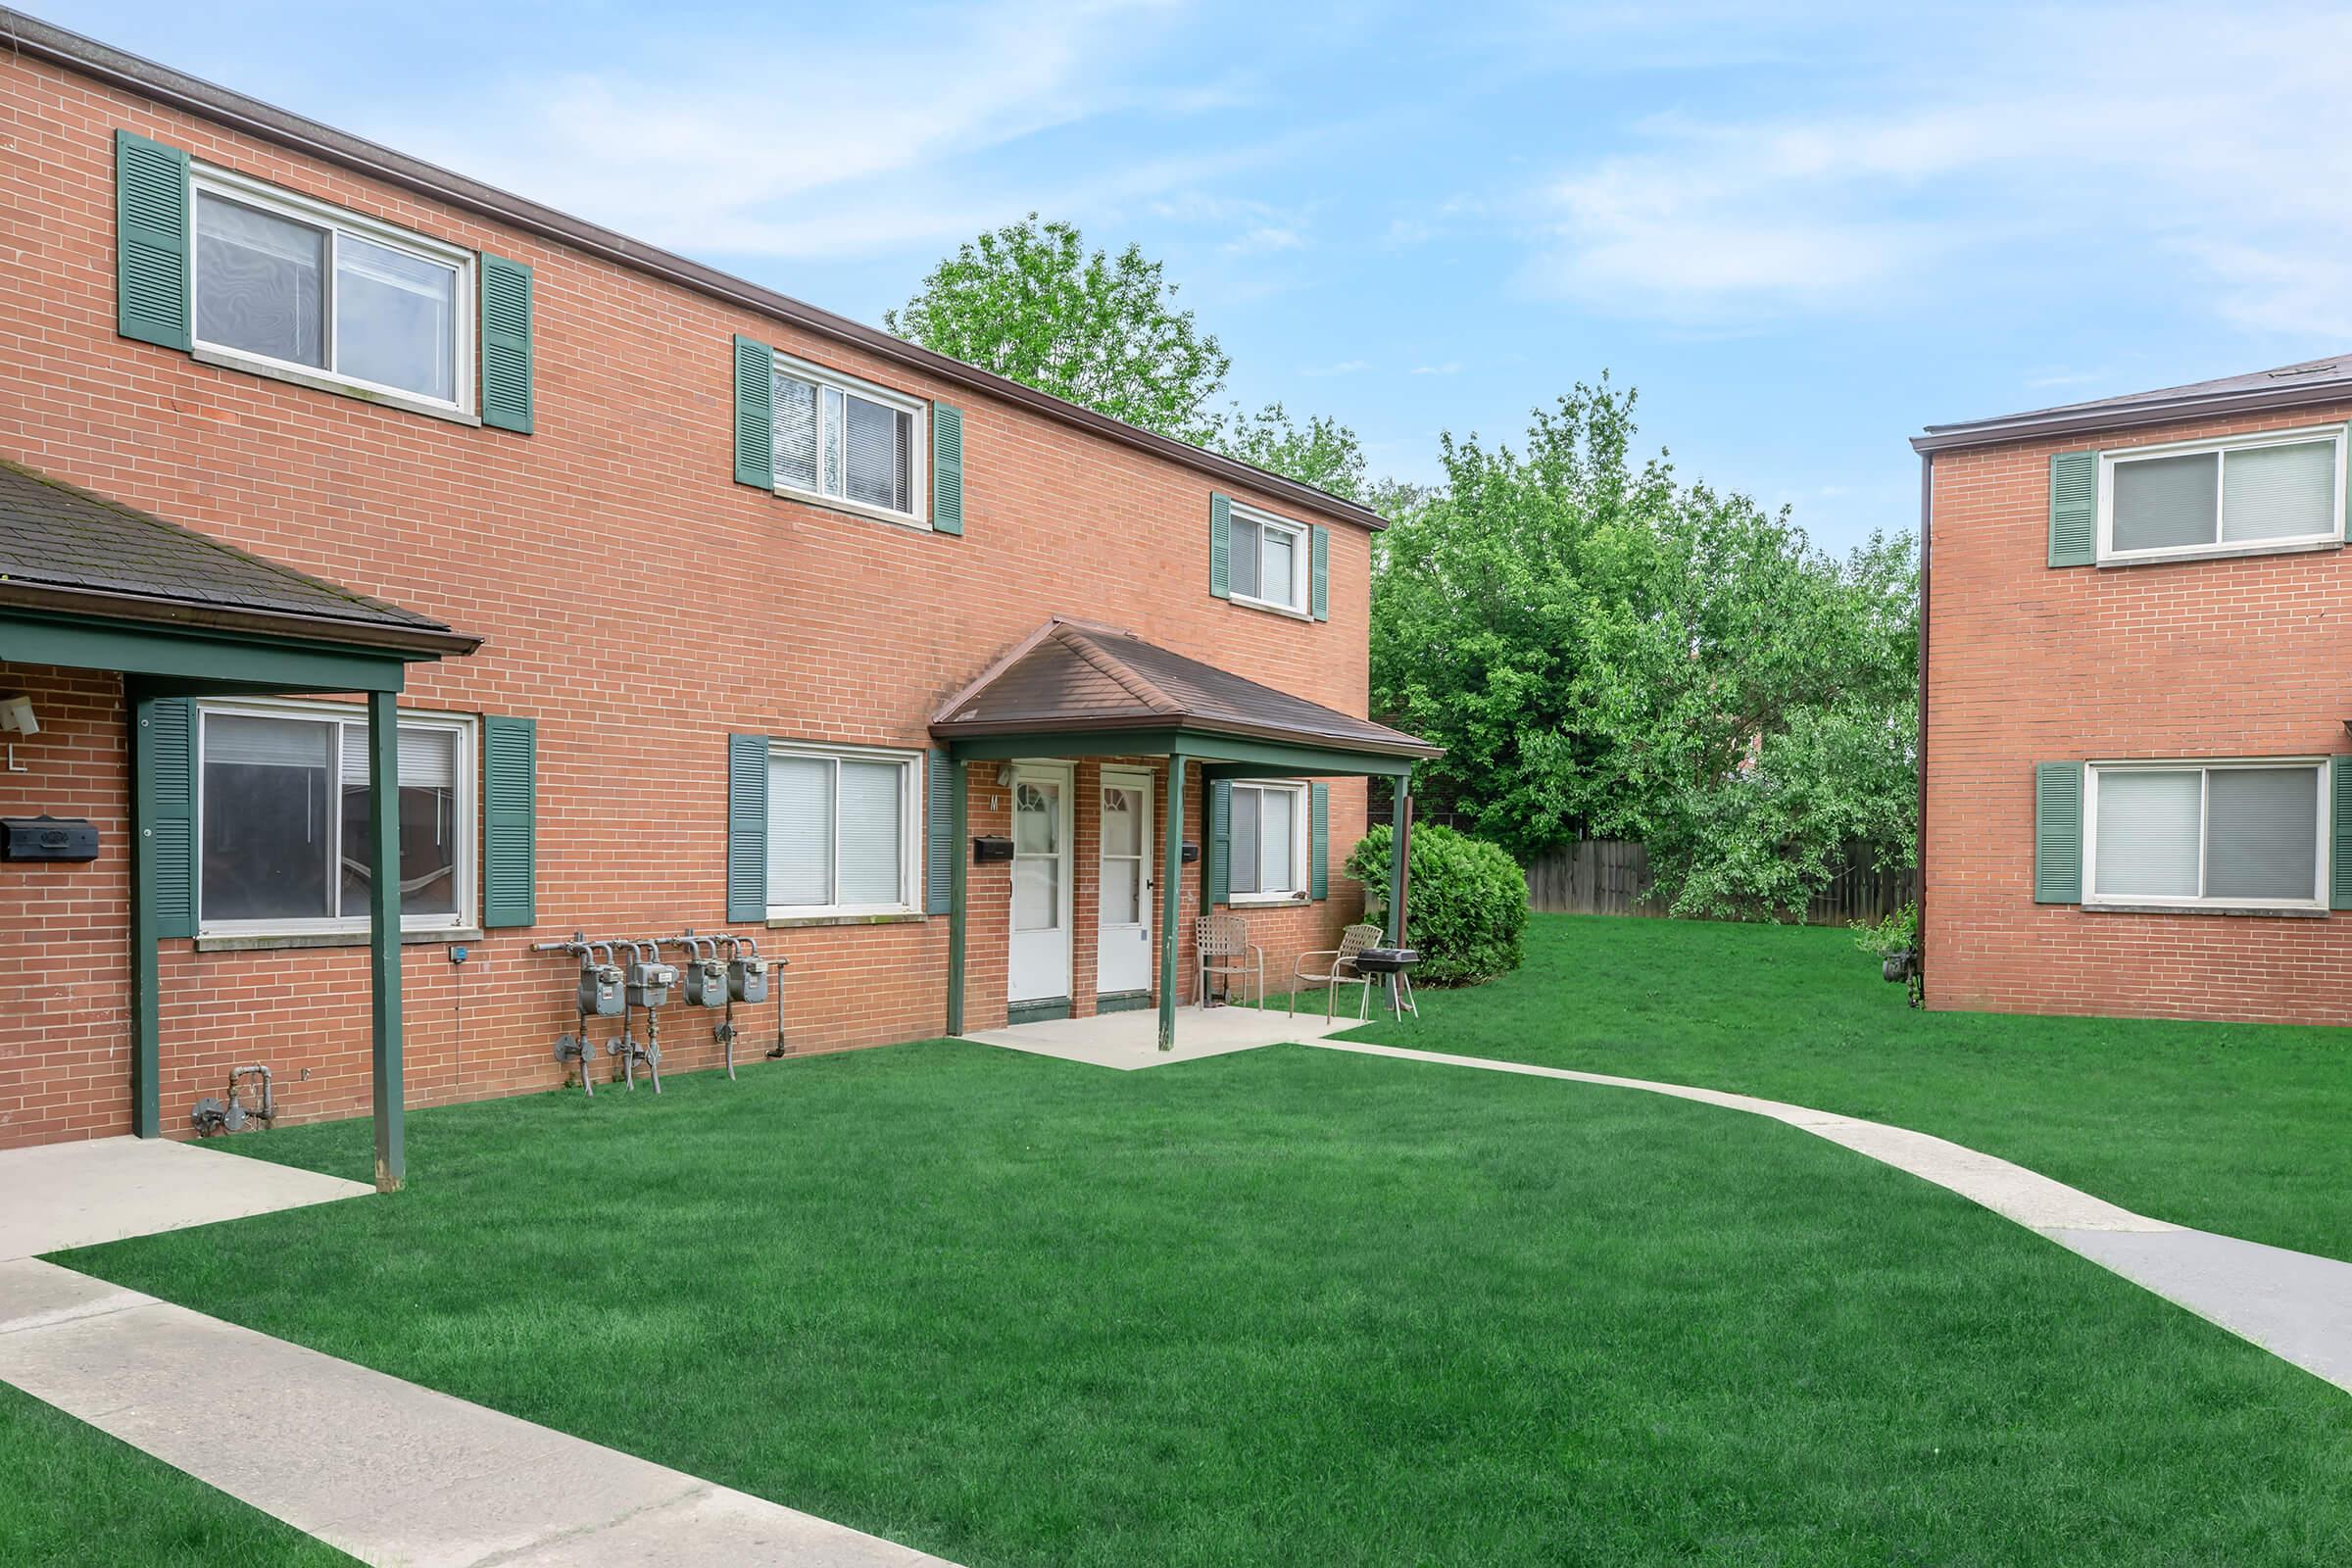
(635, 602)
(2211, 658)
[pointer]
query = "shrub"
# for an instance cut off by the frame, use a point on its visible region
(1465, 902)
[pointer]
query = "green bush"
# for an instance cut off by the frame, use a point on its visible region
(1465, 902)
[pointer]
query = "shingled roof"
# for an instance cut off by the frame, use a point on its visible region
(1072, 676)
(2287, 386)
(65, 548)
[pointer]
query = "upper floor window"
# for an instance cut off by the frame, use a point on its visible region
(282, 820)
(841, 830)
(2185, 834)
(2275, 490)
(846, 442)
(287, 284)
(1269, 842)
(1268, 559)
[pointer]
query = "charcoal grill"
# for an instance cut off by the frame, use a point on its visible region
(1397, 964)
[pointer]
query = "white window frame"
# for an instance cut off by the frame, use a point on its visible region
(1303, 565)
(918, 456)
(2112, 459)
(202, 179)
(1300, 830)
(2205, 768)
(911, 829)
(354, 721)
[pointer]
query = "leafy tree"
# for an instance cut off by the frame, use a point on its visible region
(1029, 302)
(1605, 651)
(1323, 453)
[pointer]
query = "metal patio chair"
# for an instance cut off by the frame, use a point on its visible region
(1341, 972)
(1222, 945)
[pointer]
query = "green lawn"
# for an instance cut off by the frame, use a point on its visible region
(2240, 1128)
(1287, 1307)
(70, 1494)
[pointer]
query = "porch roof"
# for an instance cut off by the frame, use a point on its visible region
(1073, 682)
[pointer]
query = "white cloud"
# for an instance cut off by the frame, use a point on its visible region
(2153, 141)
(1449, 368)
(1343, 368)
(1266, 239)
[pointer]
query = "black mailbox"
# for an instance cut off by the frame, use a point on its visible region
(1192, 851)
(47, 838)
(988, 847)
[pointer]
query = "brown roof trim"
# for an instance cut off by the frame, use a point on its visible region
(423, 641)
(1189, 722)
(2131, 415)
(45, 42)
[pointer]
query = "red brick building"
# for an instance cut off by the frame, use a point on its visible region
(2138, 799)
(721, 558)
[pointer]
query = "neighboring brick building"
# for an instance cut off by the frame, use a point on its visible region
(2138, 799)
(725, 555)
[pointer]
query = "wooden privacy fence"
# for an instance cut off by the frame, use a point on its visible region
(1611, 876)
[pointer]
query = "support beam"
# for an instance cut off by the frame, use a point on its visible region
(146, 980)
(384, 936)
(1400, 860)
(1171, 894)
(959, 884)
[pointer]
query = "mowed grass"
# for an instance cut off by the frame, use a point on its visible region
(70, 1495)
(1288, 1306)
(2236, 1128)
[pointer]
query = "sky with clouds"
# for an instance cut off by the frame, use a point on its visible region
(1802, 231)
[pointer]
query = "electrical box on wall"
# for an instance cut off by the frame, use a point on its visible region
(47, 838)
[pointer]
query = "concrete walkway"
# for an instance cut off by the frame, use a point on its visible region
(2294, 1305)
(1128, 1041)
(78, 1195)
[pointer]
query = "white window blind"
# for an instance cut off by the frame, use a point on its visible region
(2149, 824)
(796, 432)
(800, 832)
(2279, 492)
(840, 830)
(832, 439)
(2228, 833)
(1245, 547)
(871, 836)
(2236, 492)
(428, 758)
(2262, 829)
(2165, 502)
(242, 738)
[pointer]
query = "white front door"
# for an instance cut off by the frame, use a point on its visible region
(1123, 941)
(1039, 960)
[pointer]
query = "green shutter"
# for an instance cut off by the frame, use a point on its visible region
(151, 241)
(509, 821)
(505, 344)
(1320, 555)
(755, 418)
(1220, 841)
(939, 837)
(947, 468)
(747, 828)
(166, 753)
(2058, 833)
(2074, 509)
(1220, 545)
(1318, 839)
(2339, 835)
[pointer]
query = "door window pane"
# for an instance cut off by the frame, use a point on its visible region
(395, 318)
(1036, 856)
(795, 409)
(1277, 830)
(1122, 822)
(872, 796)
(2262, 833)
(259, 282)
(270, 838)
(1037, 819)
(1243, 541)
(1280, 575)
(800, 830)
(2279, 492)
(1243, 861)
(1122, 892)
(2147, 834)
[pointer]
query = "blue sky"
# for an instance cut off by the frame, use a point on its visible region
(1802, 231)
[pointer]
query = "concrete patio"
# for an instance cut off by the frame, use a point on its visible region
(1127, 1041)
(78, 1195)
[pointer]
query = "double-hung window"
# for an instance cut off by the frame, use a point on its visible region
(841, 826)
(1269, 842)
(2275, 490)
(293, 287)
(282, 820)
(1267, 560)
(847, 443)
(2185, 834)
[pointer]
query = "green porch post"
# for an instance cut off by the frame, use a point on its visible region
(1171, 885)
(1400, 836)
(146, 980)
(383, 934)
(959, 816)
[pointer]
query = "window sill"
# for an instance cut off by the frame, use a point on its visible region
(1267, 901)
(853, 508)
(263, 942)
(893, 917)
(1270, 607)
(320, 381)
(2272, 911)
(2164, 558)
